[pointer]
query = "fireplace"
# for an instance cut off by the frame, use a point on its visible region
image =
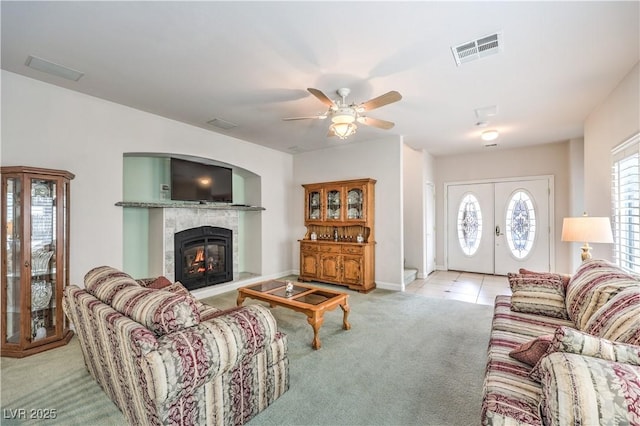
(203, 256)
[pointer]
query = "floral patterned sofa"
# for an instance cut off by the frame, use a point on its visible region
(565, 350)
(165, 358)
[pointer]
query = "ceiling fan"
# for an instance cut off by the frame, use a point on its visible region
(344, 115)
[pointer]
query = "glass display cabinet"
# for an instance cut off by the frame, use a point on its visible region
(35, 259)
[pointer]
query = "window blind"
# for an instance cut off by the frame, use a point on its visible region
(626, 203)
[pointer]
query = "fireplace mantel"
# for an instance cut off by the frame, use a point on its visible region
(187, 205)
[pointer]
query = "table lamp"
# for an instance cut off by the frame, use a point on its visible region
(587, 229)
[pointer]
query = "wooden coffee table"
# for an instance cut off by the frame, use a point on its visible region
(311, 301)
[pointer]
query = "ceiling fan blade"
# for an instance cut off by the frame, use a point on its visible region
(381, 100)
(376, 122)
(321, 117)
(321, 97)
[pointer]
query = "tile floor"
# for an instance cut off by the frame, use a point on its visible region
(465, 286)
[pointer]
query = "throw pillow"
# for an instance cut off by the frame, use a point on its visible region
(537, 295)
(531, 352)
(159, 283)
(570, 340)
(619, 318)
(581, 390)
(160, 311)
(206, 311)
(177, 287)
(595, 282)
(562, 277)
(104, 282)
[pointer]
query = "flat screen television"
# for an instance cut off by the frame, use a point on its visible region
(192, 181)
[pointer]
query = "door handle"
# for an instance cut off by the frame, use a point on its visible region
(498, 231)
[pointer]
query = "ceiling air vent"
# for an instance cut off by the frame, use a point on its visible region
(222, 124)
(476, 49)
(53, 69)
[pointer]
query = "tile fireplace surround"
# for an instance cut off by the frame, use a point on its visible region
(167, 221)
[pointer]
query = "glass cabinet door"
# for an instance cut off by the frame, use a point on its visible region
(13, 194)
(43, 258)
(355, 204)
(313, 205)
(334, 204)
(35, 260)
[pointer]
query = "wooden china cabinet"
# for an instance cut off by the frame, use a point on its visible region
(339, 245)
(35, 259)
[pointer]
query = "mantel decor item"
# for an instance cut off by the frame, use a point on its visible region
(587, 229)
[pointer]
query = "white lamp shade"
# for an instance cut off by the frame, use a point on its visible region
(587, 229)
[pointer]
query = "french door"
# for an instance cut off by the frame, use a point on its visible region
(499, 227)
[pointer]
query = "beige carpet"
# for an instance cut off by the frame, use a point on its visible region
(406, 360)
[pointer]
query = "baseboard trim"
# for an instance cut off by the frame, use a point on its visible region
(390, 286)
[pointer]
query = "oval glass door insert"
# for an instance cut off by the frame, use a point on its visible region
(520, 224)
(469, 224)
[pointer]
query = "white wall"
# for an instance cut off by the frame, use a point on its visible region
(417, 171)
(429, 178)
(413, 209)
(548, 159)
(51, 127)
(576, 192)
(377, 159)
(614, 121)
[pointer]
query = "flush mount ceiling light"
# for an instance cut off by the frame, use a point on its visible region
(489, 135)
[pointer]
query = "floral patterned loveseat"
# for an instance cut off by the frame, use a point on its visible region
(165, 358)
(565, 350)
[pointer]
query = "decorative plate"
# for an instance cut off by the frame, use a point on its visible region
(40, 190)
(354, 197)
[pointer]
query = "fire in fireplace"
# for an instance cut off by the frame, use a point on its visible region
(203, 256)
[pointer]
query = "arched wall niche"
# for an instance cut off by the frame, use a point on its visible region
(146, 172)
(146, 178)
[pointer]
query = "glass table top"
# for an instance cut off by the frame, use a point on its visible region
(311, 296)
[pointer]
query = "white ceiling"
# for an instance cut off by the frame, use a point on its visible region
(250, 63)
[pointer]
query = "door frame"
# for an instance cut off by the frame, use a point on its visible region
(429, 238)
(550, 181)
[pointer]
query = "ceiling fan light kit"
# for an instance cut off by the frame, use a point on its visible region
(344, 115)
(343, 130)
